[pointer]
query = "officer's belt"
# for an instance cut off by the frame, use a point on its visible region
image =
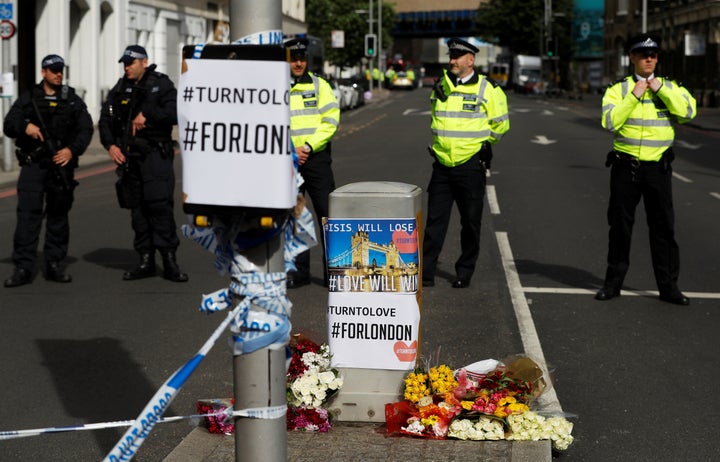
(632, 160)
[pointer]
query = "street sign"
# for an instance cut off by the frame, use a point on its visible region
(6, 10)
(7, 29)
(337, 39)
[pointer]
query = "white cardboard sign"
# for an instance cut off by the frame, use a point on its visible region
(234, 133)
(371, 332)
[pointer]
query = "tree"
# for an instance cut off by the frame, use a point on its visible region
(520, 25)
(324, 16)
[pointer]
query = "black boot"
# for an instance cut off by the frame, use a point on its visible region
(145, 269)
(19, 277)
(171, 270)
(55, 273)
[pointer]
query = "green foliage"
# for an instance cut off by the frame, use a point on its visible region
(324, 16)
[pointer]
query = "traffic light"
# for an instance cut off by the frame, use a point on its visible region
(551, 48)
(370, 45)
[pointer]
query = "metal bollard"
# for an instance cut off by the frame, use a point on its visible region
(259, 381)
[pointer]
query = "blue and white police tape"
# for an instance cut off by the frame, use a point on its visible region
(216, 301)
(299, 237)
(254, 329)
(300, 230)
(267, 37)
(197, 52)
(273, 412)
(215, 241)
(133, 438)
(224, 241)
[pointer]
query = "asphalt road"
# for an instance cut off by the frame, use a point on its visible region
(635, 374)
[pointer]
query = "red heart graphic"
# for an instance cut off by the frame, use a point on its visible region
(406, 243)
(404, 352)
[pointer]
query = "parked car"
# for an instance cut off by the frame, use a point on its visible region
(339, 94)
(351, 96)
(358, 86)
(534, 86)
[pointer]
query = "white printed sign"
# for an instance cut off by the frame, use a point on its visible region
(8, 84)
(371, 332)
(234, 130)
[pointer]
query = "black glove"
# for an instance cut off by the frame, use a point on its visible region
(485, 155)
(610, 158)
(440, 90)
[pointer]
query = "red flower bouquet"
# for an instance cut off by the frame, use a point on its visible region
(215, 420)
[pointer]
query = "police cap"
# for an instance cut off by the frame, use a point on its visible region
(458, 47)
(132, 53)
(53, 62)
(297, 47)
(643, 42)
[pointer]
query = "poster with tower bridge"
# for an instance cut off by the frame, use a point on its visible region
(373, 308)
(367, 255)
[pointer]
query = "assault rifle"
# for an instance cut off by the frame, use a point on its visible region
(59, 174)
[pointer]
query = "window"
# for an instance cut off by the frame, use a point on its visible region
(622, 7)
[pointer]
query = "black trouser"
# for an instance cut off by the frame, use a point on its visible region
(650, 181)
(319, 183)
(39, 195)
(153, 220)
(465, 185)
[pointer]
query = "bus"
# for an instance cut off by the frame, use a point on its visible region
(500, 73)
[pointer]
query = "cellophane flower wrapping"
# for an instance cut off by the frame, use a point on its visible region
(311, 382)
(470, 405)
(218, 423)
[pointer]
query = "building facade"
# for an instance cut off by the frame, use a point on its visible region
(690, 33)
(91, 35)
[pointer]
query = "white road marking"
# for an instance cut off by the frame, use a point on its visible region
(684, 179)
(629, 293)
(415, 112)
(715, 195)
(531, 343)
(542, 139)
(686, 145)
(492, 200)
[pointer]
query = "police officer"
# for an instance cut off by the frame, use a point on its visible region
(639, 111)
(314, 118)
(469, 113)
(52, 128)
(136, 125)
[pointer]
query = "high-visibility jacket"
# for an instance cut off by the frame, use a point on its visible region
(377, 75)
(472, 114)
(314, 112)
(644, 127)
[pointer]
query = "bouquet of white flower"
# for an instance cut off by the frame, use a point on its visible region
(311, 389)
(485, 428)
(310, 383)
(532, 426)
